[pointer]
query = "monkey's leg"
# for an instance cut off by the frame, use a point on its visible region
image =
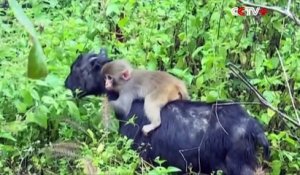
(152, 109)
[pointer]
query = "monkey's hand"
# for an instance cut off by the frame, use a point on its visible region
(121, 105)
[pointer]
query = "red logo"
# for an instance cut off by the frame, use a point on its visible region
(249, 11)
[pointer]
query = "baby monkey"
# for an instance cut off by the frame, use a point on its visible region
(157, 87)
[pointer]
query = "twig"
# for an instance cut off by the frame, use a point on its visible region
(288, 85)
(289, 5)
(105, 113)
(285, 12)
(239, 74)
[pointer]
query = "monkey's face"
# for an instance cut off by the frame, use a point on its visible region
(109, 82)
(85, 74)
(115, 82)
(116, 75)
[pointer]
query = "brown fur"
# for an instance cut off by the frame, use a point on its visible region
(157, 87)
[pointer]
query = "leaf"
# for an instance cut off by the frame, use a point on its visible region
(122, 22)
(269, 95)
(173, 169)
(39, 118)
(35, 94)
(276, 167)
(93, 34)
(73, 109)
(212, 96)
(48, 100)
(21, 107)
(182, 36)
(7, 135)
(92, 135)
(27, 98)
(112, 8)
(22, 18)
(100, 148)
(15, 126)
(36, 67)
(196, 52)
(199, 81)
(265, 118)
(270, 112)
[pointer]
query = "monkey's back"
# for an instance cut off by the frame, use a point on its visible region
(149, 81)
(157, 78)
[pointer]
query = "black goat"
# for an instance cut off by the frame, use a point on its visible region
(204, 136)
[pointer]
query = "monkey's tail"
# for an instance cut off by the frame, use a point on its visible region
(183, 91)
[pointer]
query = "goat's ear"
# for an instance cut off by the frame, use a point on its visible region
(94, 60)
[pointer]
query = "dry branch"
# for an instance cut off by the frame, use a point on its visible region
(285, 11)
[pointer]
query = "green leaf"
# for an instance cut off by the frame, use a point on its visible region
(15, 126)
(36, 67)
(35, 94)
(22, 18)
(199, 81)
(73, 109)
(122, 22)
(93, 34)
(212, 96)
(276, 167)
(270, 112)
(48, 100)
(39, 118)
(265, 118)
(27, 98)
(196, 52)
(7, 135)
(173, 169)
(112, 8)
(21, 107)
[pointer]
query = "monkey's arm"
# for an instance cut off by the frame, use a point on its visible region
(123, 104)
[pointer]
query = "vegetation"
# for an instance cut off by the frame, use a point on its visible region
(44, 130)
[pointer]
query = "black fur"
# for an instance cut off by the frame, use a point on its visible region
(205, 136)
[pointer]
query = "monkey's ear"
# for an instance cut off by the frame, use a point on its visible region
(126, 74)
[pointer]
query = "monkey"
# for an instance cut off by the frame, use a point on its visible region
(156, 87)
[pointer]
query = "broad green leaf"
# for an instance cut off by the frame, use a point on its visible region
(265, 118)
(276, 167)
(36, 67)
(173, 169)
(73, 109)
(48, 100)
(112, 8)
(270, 112)
(7, 135)
(212, 96)
(122, 22)
(92, 135)
(21, 107)
(35, 95)
(27, 98)
(22, 18)
(15, 126)
(199, 81)
(196, 52)
(39, 118)
(91, 35)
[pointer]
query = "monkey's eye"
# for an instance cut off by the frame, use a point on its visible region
(108, 77)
